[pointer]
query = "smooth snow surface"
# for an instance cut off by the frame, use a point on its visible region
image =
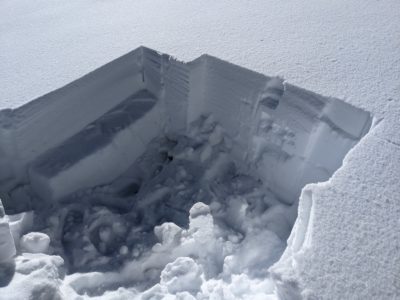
(347, 49)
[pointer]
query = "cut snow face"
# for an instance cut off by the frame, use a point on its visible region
(152, 177)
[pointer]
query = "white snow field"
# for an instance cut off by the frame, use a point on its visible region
(152, 178)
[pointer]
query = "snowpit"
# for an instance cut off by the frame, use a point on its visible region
(151, 178)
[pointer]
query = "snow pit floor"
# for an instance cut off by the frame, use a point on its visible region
(184, 223)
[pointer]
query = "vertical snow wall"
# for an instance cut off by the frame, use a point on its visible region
(89, 132)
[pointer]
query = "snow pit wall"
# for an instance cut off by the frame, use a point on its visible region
(286, 135)
(289, 136)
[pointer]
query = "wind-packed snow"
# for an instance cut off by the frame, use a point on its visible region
(218, 197)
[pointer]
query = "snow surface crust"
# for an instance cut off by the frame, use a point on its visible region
(346, 49)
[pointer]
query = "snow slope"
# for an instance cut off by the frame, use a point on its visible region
(345, 49)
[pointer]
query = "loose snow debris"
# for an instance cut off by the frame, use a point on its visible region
(37, 276)
(182, 275)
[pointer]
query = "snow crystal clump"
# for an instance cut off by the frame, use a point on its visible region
(37, 276)
(183, 274)
(199, 209)
(35, 242)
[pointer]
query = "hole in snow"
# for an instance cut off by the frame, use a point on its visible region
(150, 170)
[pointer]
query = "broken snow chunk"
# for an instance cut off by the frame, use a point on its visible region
(201, 223)
(2, 211)
(199, 209)
(7, 247)
(168, 233)
(208, 124)
(37, 276)
(184, 274)
(35, 242)
(20, 224)
(28, 263)
(273, 93)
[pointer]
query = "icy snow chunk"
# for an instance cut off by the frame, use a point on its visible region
(199, 209)
(257, 252)
(182, 275)
(35, 242)
(30, 262)
(273, 92)
(201, 222)
(20, 224)
(2, 210)
(168, 233)
(37, 276)
(7, 246)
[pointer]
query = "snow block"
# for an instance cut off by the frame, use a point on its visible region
(101, 151)
(35, 242)
(291, 136)
(7, 247)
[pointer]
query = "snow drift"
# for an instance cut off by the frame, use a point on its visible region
(140, 143)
